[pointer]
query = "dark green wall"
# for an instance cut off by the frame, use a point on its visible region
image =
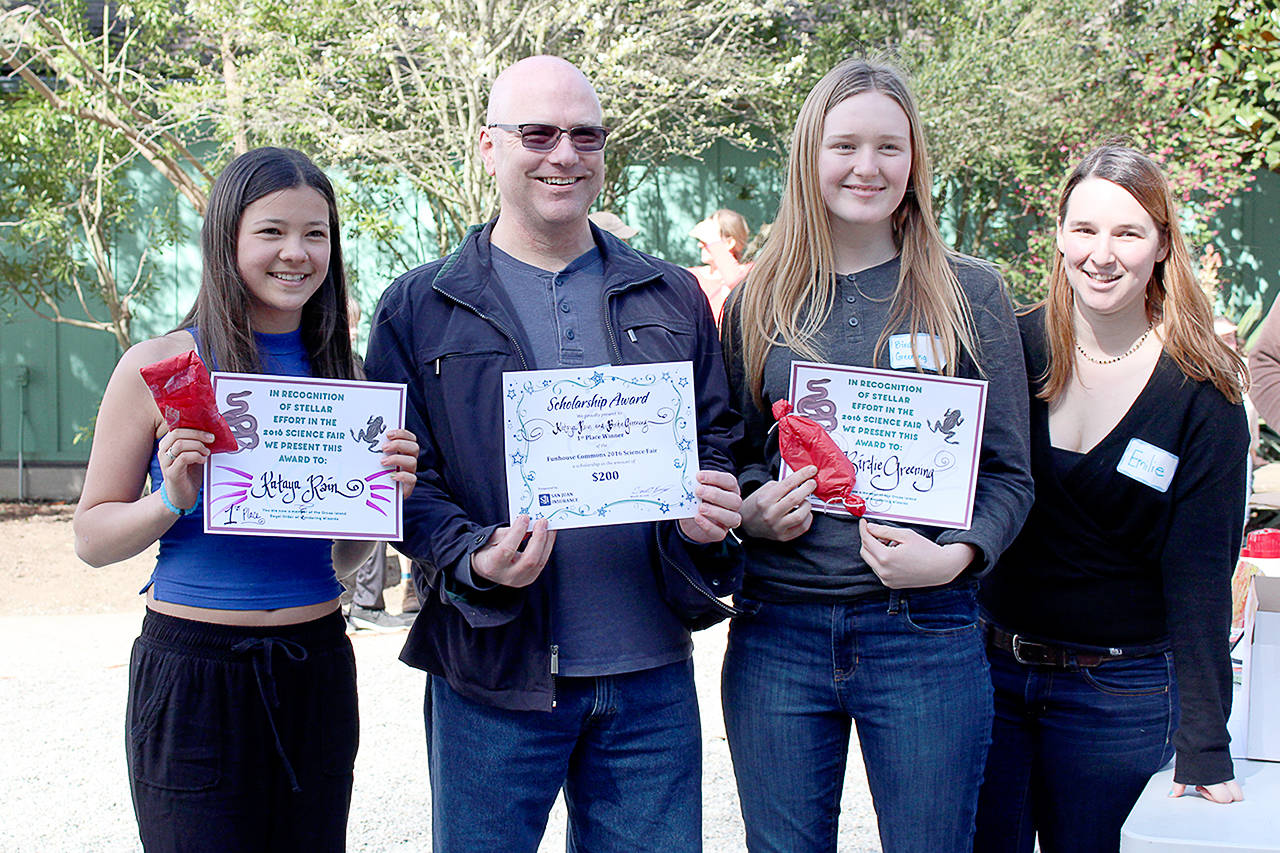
(69, 367)
(672, 199)
(1249, 236)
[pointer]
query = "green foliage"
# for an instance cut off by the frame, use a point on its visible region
(391, 95)
(1239, 56)
(397, 90)
(1013, 94)
(65, 206)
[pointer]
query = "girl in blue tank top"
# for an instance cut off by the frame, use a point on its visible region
(242, 721)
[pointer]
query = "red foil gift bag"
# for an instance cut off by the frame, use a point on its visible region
(182, 390)
(802, 441)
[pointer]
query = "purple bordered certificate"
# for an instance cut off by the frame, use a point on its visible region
(913, 437)
(308, 463)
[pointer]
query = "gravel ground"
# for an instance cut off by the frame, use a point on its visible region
(63, 680)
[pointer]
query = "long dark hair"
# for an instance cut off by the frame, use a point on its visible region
(221, 311)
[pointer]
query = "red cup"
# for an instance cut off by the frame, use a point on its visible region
(1262, 544)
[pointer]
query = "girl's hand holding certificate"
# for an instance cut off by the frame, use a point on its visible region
(903, 559)
(400, 451)
(780, 510)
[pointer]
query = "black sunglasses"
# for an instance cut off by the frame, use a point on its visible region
(544, 137)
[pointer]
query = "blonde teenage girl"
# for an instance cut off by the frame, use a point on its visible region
(865, 624)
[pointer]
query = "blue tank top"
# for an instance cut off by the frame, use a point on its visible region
(228, 572)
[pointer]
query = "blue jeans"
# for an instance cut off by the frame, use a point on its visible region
(909, 671)
(626, 749)
(1071, 751)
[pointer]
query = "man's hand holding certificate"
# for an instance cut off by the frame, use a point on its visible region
(611, 445)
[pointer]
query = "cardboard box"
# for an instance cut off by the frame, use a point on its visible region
(1264, 676)
(1255, 714)
(1241, 658)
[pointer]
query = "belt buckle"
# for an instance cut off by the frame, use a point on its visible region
(1019, 644)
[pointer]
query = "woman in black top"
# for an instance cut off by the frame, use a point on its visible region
(1121, 576)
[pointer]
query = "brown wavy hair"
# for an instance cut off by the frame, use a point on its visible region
(789, 293)
(1173, 297)
(221, 311)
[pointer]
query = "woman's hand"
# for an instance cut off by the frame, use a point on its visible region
(780, 510)
(400, 451)
(114, 521)
(718, 509)
(903, 559)
(1220, 792)
(182, 453)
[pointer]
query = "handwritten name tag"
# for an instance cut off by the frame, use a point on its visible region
(900, 352)
(1148, 464)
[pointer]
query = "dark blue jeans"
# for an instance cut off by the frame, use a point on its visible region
(909, 671)
(1071, 751)
(626, 749)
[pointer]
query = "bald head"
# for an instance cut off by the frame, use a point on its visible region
(536, 74)
(544, 193)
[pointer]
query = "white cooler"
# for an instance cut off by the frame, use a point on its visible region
(1158, 824)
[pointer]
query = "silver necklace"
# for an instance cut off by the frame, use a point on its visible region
(1130, 351)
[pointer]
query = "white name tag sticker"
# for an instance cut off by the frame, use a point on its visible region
(1148, 464)
(900, 352)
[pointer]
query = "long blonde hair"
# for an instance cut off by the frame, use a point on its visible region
(1173, 296)
(789, 293)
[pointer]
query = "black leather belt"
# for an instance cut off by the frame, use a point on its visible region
(1036, 653)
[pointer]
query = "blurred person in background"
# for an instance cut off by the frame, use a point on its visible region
(722, 239)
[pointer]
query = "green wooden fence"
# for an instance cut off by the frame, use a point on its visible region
(52, 376)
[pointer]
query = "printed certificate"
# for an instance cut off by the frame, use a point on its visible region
(913, 437)
(308, 463)
(601, 445)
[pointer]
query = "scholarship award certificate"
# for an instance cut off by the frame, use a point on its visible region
(308, 463)
(601, 445)
(913, 437)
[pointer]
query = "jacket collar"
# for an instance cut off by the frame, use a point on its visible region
(467, 271)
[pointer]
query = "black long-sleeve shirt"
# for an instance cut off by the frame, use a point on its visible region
(1106, 560)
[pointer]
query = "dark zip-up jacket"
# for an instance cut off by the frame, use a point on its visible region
(447, 332)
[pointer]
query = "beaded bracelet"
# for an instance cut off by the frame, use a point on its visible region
(169, 505)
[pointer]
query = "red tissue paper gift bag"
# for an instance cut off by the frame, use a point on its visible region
(802, 441)
(183, 392)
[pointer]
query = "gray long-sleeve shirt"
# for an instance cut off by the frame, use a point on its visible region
(824, 563)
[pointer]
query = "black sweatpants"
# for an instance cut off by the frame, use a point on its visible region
(242, 738)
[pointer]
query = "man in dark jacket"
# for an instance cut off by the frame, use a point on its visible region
(557, 659)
